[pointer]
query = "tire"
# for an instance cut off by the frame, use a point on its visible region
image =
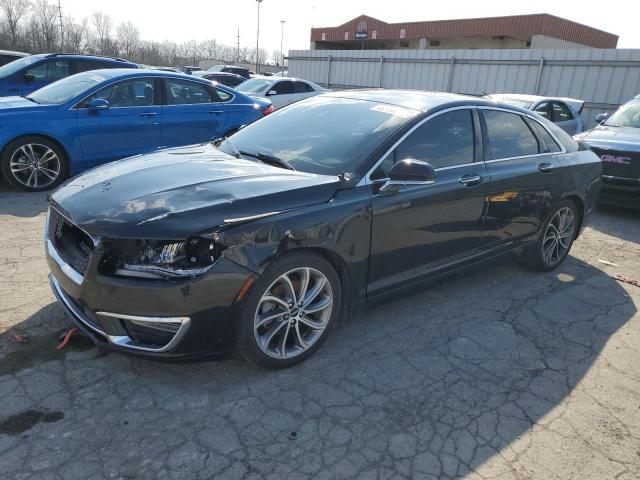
(556, 237)
(33, 164)
(268, 317)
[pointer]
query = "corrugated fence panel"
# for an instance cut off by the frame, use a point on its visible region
(604, 79)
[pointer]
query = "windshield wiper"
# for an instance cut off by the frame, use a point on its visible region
(269, 159)
(32, 100)
(234, 151)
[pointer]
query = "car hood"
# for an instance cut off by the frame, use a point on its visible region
(16, 102)
(175, 193)
(608, 137)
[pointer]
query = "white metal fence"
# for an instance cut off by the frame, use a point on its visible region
(604, 79)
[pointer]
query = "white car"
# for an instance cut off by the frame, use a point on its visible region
(281, 91)
(564, 112)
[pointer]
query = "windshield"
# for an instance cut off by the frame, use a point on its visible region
(627, 115)
(323, 135)
(255, 85)
(217, 68)
(12, 67)
(67, 88)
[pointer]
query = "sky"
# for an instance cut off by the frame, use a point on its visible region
(220, 20)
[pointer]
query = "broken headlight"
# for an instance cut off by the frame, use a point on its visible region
(161, 259)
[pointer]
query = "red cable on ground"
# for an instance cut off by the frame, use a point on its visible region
(67, 337)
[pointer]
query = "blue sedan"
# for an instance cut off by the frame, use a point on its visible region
(96, 117)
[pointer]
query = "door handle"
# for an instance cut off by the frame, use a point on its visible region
(545, 167)
(148, 114)
(216, 112)
(470, 180)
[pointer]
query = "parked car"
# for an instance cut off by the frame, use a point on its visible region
(564, 112)
(229, 79)
(281, 91)
(96, 117)
(616, 140)
(7, 56)
(281, 73)
(243, 72)
(189, 69)
(28, 74)
(263, 242)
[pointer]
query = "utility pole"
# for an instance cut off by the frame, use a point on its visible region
(258, 40)
(282, 22)
(61, 28)
(238, 47)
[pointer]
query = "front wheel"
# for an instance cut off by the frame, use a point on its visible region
(289, 311)
(33, 164)
(556, 239)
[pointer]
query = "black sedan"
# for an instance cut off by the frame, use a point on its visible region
(262, 241)
(617, 142)
(225, 78)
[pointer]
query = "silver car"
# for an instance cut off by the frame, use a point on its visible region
(564, 112)
(282, 91)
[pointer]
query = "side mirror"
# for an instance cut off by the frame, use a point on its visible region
(98, 104)
(28, 78)
(601, 117)
(272, 92)
(408, 172)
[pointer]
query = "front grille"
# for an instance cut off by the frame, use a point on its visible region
(72, 244)
(619, 163)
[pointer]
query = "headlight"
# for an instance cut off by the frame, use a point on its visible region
(161, 259)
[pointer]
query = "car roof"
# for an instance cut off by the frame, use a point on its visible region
(418, 99)
(17, 54)
(142, 72)
(83, 57)
(224, 74)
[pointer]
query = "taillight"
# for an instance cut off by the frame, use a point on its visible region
(267, 110)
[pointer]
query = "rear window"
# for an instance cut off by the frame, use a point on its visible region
(509, 135)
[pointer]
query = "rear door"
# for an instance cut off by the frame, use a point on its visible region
(130, 126)
(523, 178)
(192, 113)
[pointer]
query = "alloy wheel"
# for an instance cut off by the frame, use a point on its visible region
(293, 313)
(558, 236)
(35, 165)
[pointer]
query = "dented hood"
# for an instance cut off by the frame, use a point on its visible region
(175, 193)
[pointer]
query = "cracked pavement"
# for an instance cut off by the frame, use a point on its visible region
(497, 374)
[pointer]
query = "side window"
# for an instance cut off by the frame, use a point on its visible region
(283, 88)
(50, 71)
(444, 141)
(548, 142)
(182, 92)
(509, 135)
(128, 93)
(543, 110)
(86, 65)
(223, 96)
(302, 87)
(561, 113)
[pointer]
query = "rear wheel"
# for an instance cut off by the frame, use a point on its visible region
(33, 164)
(557, 237)
(289, 311)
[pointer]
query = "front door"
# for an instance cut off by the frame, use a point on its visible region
(422, 230)
(130, 126)
(193, 113)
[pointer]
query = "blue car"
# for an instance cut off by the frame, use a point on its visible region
(96, 117)
(30, 73)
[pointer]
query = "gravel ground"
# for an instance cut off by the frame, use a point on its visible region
(498, 374)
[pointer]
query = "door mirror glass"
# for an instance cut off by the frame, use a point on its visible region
(601, 117)
(29, 78)
(98, 104)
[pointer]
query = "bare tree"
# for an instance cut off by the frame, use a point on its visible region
(75, 35)
(129, 38)
(103, 25)
(44, 26)
(13, 12)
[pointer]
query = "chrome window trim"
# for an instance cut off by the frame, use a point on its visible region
(366, 180)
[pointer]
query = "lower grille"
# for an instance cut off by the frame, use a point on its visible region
(72, 244)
